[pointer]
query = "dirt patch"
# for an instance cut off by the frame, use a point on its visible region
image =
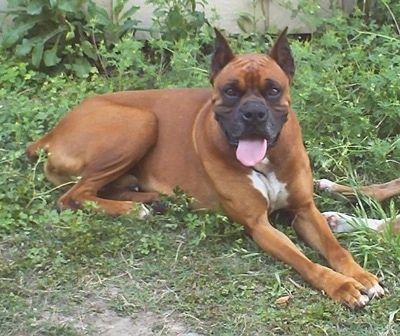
(93, 317)
(144, 324)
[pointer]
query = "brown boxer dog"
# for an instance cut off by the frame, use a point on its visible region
(237, 146)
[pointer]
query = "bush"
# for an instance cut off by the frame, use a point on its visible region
(177, 19)
(77, 36)
(347, 92)
(65, 35)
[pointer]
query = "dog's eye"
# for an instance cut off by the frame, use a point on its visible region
(231, 92)
(274, 92)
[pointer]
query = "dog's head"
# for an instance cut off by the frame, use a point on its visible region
(251, 96)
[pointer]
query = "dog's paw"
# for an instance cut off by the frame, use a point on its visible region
(357, 304)
(158, 207)
(373, 288)
(142, 211)
(376, 291)
(347, 291)
(336, 222)
(325, 185)
(352, 286)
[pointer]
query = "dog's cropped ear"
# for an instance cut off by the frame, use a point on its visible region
(222, 55)
(282, 55)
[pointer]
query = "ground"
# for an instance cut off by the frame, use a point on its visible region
(94, 316)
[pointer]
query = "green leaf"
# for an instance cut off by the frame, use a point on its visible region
(81, 67)
(99, 13)
(53, 3)
(11, 35)
(89, 50)
(50, 57)
(128, 14)
(127, 26)
(118, 7)
(24, 48)
(70, 35)
(68, 6)
(102, 16)
(34, 7)
(15, 3)
(37, 55)
(244, 22)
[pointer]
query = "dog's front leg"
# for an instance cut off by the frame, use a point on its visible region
(311, 226)
(339, 287)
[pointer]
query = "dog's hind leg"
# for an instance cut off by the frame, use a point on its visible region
(42, 143)
(86, 189)
(98, 143)
(127, 188)
(105, 165)
(99, 173)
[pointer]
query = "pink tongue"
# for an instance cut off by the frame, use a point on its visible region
(251, 151)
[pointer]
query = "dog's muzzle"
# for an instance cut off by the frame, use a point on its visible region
(251, 129)
(253, 114)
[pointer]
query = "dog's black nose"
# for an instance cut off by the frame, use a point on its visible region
(253, 112)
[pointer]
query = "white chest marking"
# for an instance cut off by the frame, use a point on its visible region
(270, 187)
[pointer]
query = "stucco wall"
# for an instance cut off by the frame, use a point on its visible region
(269, 12)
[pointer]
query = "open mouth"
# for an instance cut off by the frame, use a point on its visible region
(251, 151)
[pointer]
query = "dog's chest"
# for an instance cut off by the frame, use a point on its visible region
(264, 180)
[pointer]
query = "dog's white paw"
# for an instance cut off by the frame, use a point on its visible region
(325, 185)
(363, 300)
(376, 291)
(337, 222)
(142, 211)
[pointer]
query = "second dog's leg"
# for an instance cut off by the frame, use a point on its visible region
(380, 192)
(339, 222)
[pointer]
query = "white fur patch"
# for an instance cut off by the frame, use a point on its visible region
(325, 185)
(376, 292)
(340, 222)
(363, 300)
(270, 187)
(142, 211)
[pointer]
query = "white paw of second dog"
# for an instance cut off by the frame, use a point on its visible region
(325, 185)
(338, 222)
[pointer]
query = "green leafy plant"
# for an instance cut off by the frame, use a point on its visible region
(372, 10)
(249, 22)
(346, 72)
(177, 19)
(65, 33)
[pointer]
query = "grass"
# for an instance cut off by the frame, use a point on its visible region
(222, 285)
(82, 273)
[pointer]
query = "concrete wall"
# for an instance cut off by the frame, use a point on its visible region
(270, 13)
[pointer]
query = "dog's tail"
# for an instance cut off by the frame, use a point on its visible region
(32, 150)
